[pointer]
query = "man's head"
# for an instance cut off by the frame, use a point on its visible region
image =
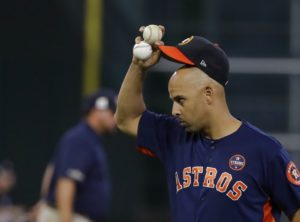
(99, 108)
(7, 177)
(196, 97)
(197, 88)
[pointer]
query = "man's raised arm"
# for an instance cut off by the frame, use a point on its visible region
(130, 105)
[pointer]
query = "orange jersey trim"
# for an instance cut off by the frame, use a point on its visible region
(268, 216)
(146, 151)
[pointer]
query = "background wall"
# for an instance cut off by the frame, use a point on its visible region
(41, 63)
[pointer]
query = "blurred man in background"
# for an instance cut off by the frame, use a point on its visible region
(7, 182)
(9, 211)
(76, 185)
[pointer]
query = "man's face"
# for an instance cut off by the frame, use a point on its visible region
(7, 181)
(106, 121)
(187, 92)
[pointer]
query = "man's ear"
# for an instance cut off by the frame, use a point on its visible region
(208, 92)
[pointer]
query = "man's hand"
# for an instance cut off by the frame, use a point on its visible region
(35, 210)
(145, 64)
(296, 217)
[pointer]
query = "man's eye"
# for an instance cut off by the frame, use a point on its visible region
(180, 101)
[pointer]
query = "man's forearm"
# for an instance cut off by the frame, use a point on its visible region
(130, 99)
(131, 104)
(65, 192)
(46, 180)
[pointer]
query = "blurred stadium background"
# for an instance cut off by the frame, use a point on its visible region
(54, 52)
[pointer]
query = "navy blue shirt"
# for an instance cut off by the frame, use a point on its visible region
(246, 176)
(80, 156)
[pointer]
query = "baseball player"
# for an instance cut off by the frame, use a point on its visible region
(7, 183)
(218, 167)
(76, 183)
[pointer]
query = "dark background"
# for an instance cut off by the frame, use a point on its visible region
(41, 67)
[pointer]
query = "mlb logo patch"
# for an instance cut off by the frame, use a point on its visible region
(237, 162)
(293, 173)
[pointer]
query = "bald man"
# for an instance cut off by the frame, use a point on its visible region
(218, 168)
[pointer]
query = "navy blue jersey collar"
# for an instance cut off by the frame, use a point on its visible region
(234, 134)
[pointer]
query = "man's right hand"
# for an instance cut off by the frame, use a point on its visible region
(145, 64)
(131, 105)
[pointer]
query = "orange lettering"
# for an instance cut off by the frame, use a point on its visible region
(186, 177)
(223, 182)
(237, 190)
(178, 185)
(196, 171)
(210, 176)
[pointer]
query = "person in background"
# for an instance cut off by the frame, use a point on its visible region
(7, 182)
(76, 185)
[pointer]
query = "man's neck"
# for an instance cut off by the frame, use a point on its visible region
(221, 126)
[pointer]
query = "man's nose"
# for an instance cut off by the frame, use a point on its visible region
(176, 110)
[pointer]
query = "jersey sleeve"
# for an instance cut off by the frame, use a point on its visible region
(284, 183)
(156, 133)
(73, 160)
